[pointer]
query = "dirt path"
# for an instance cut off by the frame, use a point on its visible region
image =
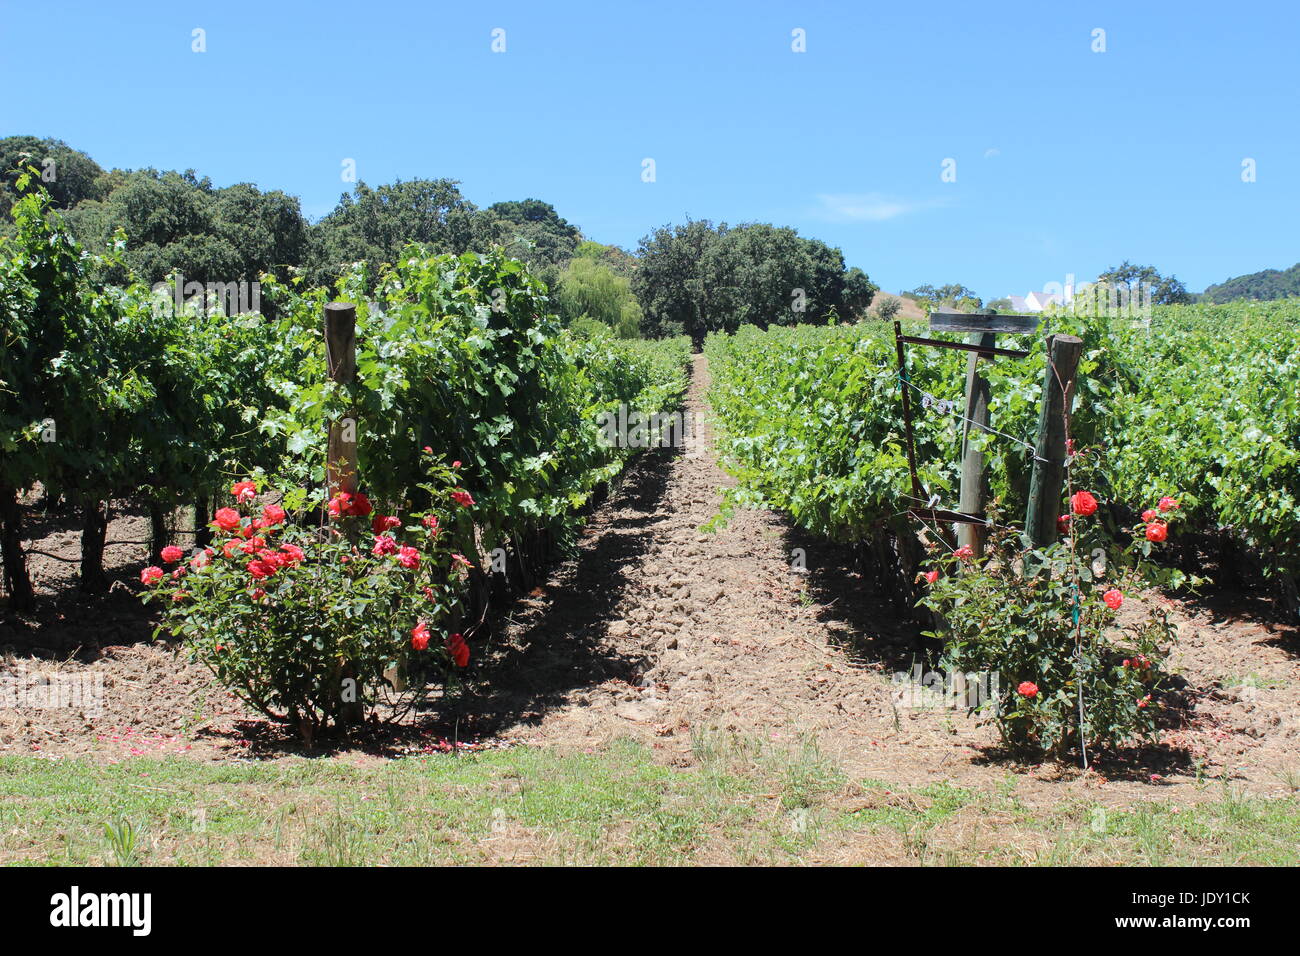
(711, 626)
(658, 631)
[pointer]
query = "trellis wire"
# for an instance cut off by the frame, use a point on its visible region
(985, 428)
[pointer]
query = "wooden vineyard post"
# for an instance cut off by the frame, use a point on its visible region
(974, 489)
(1048, 478)
(341, 461)
(341, 363)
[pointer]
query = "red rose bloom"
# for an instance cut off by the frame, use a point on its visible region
(171, 554)
(1167, 504)
(1113, 599)
(340, 505)
(244, 491)
(384, 544)
(1157, 531)
(260, 569)
(408, 557)
(1063, 524)
(292, 552)
(964, 553)
(1083, 503)
(1148, 516)
(360, 506)
(273, 559)
(931, 577)
(431, 522)
(459, 649)
(420, 636)
(462, 497)
(227, 519)
(272, 515)
(151, 575)
(1027, 689)
(460, 559)
(383, 523)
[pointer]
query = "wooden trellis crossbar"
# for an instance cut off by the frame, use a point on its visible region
(965, 347)
(929, 513)
(982, 330)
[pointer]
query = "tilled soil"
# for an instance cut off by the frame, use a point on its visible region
(656, 630)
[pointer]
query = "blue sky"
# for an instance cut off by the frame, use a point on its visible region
(1067, 160)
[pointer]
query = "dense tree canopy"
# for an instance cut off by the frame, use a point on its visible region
(693, 277)
(67, 174)
(533, 231)
(859, 291)
(1164, 291)
(177, 222)
(668, 281)
(696, 278)
(375, 225)
(952, 296)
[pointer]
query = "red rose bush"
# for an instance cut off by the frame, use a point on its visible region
(308, 620)
(1048, 624)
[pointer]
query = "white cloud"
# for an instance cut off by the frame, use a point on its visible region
(868, 207)
(991, 152)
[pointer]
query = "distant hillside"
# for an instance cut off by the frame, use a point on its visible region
(1269, 284)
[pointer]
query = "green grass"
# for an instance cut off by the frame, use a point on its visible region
(743, 802)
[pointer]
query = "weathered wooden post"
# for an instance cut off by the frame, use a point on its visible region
(1048, 478)
(341, 461)
(341, 363)
(974, 487)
